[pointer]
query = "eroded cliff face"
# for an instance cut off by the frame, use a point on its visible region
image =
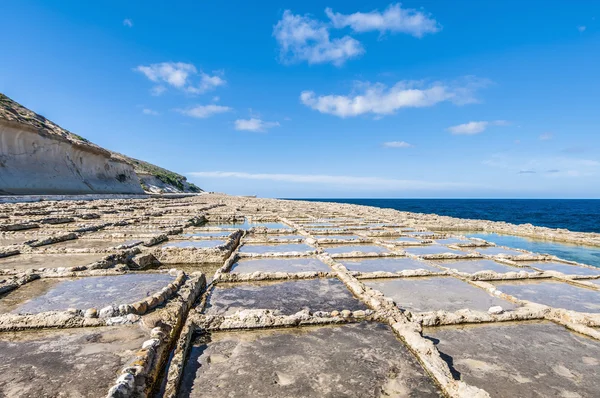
(35, 161)
(38, 157)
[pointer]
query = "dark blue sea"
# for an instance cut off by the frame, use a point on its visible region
(582, 215)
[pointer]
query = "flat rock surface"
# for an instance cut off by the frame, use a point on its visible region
(436, 293)
(286, 297)
(554, 293)
(359, 360)
(65, 363)
(522, 360)
(27, 261)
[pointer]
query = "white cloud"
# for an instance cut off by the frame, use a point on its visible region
(147, 111)
(397, 144)
(379, 100)
(204, 111)
(302, 38)
(364, 183)
(254, 124)
(472, 128)
(546, 136)
(393, 19)
(180, 75)
(128, 22)
(581, 28)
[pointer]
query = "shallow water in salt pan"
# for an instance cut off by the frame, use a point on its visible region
(582, 254)
(302, 264)
(49, 294)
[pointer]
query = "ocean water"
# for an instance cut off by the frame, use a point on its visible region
(582, 215)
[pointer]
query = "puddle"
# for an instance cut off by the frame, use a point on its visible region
(355, 248)
(280, 265)
(288, 297)
(65, 363)
(275, 248)
(26, 261)
(436, 293)
(566, 269)
(357, 360)
(581, 254)
(473, 266)
(553, 293)
(199, 244)
(48, 294)
(521, 360)
(432, 249)
(387, 264)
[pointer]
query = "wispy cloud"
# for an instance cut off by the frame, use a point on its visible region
(128, 22)
(254, 124)
(378, 99)
(393, 19)
(472, 128)
(364, 183)
(550, 166)
(302, 38)
(148, 111)
(397, 144)
(182, 76)
(546, 137)
(204, 111)
(574, 150)
(581, 28)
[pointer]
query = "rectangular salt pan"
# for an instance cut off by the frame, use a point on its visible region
(521, 360)
(436, 293)
(359, 360)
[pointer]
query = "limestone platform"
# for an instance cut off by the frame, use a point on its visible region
(224, 296)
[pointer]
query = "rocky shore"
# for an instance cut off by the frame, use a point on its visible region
(199, 296)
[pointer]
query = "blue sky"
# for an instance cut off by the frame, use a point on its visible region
(313, 99)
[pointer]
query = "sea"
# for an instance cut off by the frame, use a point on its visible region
(581, 215)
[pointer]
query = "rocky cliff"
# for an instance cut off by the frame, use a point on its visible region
(39, 157)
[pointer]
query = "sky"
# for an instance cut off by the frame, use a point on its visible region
(336, 99)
